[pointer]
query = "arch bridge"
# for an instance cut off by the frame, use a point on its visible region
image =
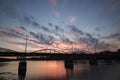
(81, 52)
(50, 51)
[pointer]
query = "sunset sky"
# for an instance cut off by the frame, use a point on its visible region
(60, 24)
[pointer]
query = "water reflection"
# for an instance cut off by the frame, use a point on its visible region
(69, 66)
(59, 70)
(22, 70)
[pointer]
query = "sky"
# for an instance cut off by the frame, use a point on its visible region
(87, 25)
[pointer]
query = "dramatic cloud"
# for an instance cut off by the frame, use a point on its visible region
(37, 39)
(17, 32)
(94, 43)
(88, 39)
(46, 25)
(13, 32)
(30, 20)
(65, 39)
(75, 30)
(58, 29)
(45, 29)
(45, 39)
(42, 38)
(73, 19)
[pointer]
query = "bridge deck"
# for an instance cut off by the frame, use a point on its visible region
(59, 56)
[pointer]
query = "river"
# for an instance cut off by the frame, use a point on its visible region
(58, 70)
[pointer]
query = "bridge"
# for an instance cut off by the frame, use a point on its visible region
(59, 55)
(50, 51)
(43, 52)
(52, 54)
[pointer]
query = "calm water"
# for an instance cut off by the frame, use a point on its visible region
(58, 70)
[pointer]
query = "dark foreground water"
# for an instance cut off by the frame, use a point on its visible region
(59, 70)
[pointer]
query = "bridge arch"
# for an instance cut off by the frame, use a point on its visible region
(52, 51)
(81, 52)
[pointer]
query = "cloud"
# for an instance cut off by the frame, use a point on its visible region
(30, 44)
(58, 29)
(12, 12)
(94, 43)
(113, 36)
(15, 42)
(50, 24)
(73, 19)
(17, 32)
(35, 23)
(97, 29)
(45, 29)
(43, 39)
(20, 34)
(101, 45)
(88, 39)
(65, 39)
(13, 32)
(22, 27)
(75, 30)
(53, 2)
(30, 20)
(38, 39)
